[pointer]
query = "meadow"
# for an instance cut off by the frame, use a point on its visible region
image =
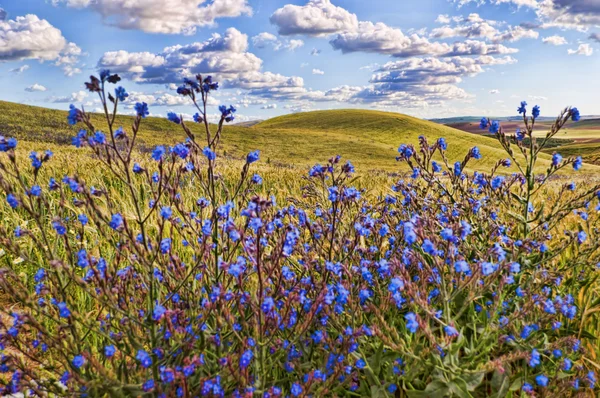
(162, 257)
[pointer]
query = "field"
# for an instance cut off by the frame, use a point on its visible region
(369, 139)
(581, 138)
(131, 270)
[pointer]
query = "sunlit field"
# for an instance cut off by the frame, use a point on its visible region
(177, 258)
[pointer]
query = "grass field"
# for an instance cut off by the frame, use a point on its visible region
(368, 138)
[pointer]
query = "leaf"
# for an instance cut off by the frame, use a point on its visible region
(459, 388)
(435, 389)
(500, 384)
(473, 380)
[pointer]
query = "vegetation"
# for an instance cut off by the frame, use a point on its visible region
(175, 271)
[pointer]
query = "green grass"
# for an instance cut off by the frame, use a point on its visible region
(368, 138)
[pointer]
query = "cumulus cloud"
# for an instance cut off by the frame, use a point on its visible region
(19, 70)
(30, 37)
(595, 37)
(222, 55)
(569, 14)
(270, 106)
(317, 72)
(163, 16)
(76, 97)
(266, 39)
(161, 99)
(3, 14)
(583, 49)
(35, 87)
(555, 40)
(316, 18)
(494, 91)
(382, 39)
(314, 52)
(474, 26)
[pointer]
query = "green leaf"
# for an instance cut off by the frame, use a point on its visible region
(473, 380)
(500, 384)
(459, 388)
(435, 389)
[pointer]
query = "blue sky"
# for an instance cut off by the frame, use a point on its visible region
(433, 58)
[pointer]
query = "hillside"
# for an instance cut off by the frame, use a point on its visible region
(368, 138)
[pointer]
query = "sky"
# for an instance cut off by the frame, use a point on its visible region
(426, 58)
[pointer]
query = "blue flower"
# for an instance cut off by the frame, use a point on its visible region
(181, 150)
(252, 157)
(165, 245)
(476, 153)
(451, 331)
(497, 182)
(158, 312)
(541, 380)
(59, 228)
(520, 135)
(172, 116)
(556, 159)
(109, 351)
(535, 112)
(457, 169)
(78, 361)
(63, 310)
(411, 322)
(137, 169)
(575, 116)
(578, 163)
(483, 124)
(116, 221)
(494, 127)
(158, 153)
(296, 389)
(210, 155)
(246, 358)
(523, 108)
(166, 212)
(534, 360)
(141, 109)
(442, 143)
(144, 358)
(581, 237)
(74, 115)
(121, 93)
(12, 200)
(99, 138)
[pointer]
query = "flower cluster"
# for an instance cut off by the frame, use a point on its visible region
(184, 285)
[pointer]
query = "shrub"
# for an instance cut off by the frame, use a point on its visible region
(452, 284)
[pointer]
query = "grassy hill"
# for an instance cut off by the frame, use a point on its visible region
(368, 138)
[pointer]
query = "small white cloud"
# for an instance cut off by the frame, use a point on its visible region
(270, 106)
(20, 69)
(583, 49)
(555, 40)
(494, 91)
(314, 52)
(77, 97)
(538, 97)
(304, 64)
(317, 72)
(35, 87)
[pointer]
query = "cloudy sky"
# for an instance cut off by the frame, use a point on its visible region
(428, 58)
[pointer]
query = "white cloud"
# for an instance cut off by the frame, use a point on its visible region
(595, 37)
(304, 64)
(382, 39)
(265, 39)
(474, 26)
(555, 40)
(77, 97)
(3, 14)
(314, 52)
(163, 16)
(35, 87)
(316, 18)
(317, 72)
(583, 49)
(270, 106)
(569, 14)
(20, 69)
(538, 97)
(261, 40)
(494, 91)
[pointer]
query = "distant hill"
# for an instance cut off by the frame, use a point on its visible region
(368, 138)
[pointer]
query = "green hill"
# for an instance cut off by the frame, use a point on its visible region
(368, 138)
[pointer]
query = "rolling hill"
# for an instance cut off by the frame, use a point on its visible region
(368, 138)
